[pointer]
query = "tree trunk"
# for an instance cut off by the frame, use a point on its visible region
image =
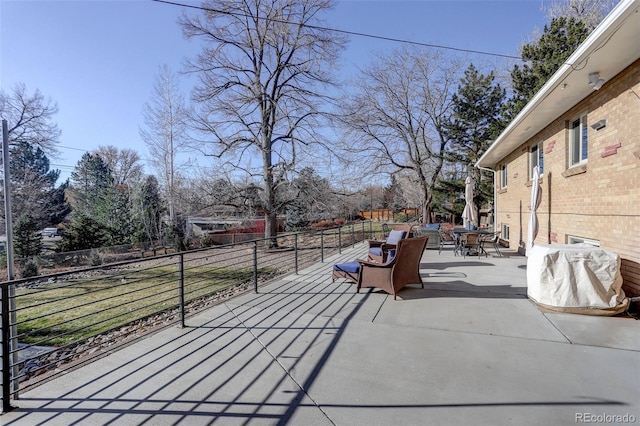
(270, 217)
(426, 205)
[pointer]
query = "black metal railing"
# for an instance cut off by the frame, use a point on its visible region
(56, 322)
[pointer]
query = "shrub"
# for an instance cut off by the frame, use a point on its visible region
(29, 269)
(28, 241)
(94, 258)
(206, 240)
(402, 217)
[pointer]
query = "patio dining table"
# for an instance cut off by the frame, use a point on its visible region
(459, 232)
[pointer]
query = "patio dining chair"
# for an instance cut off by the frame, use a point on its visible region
(448, 239)
(492, 239)
(472, 243)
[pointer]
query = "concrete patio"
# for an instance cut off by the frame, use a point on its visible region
(468, 349)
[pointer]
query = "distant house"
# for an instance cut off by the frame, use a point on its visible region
(200, 226)
(583, 131)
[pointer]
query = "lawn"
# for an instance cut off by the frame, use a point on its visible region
(60, 313)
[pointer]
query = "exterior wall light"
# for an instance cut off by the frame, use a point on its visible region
(595, 81)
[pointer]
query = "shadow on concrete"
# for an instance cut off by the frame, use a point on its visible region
(461, 289)
(447, 265)
(246, 362)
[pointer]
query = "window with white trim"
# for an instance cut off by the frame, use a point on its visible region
(536, 159)
(503, 176)
(578, 240)
(505, 231)
(578, 141)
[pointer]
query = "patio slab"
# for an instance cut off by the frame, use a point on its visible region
(469, 348)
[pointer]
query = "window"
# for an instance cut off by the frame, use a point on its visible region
(503, 176)
(578, 147)
(535, 159)
(578, 240)
(505, 231)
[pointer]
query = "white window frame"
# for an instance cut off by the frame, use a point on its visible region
(505, 232)
(572, 239)
(536, 159)
(581, 146)
(503, 176)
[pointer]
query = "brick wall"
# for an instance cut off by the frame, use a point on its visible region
(599, 201)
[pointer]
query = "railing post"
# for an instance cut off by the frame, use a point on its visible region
(181, 288)
(370, 229)
(353, 235)
(295, 251)
(255, 266)
(322, 245)
(340, 240)
(362, 231)
(6, 352)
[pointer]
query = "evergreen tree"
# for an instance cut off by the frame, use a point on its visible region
(151, 209)
(558, 41)
(94, 194)
(297, 216)
(118, 217)
(27, 239)
(33, 186)
(312, 194)
(393, 197)
(475, 122)
(91, 187)
(83, 233)
(57, 207)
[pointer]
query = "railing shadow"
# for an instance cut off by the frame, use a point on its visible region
(254, 358)
(220, 346)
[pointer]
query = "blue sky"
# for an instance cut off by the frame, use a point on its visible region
(98, 59)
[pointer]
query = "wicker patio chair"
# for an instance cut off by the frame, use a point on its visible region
(401, 270)
(378, 250)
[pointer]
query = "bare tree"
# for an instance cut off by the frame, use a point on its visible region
(261, 72)
(29, 118)
(396, 120)
(165, 132)
(590, 12)
(124, 164)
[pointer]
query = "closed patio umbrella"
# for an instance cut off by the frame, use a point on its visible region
(469, 213)
(536, 198)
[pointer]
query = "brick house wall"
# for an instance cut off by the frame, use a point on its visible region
(597, 201)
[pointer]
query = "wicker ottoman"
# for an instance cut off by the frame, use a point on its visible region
(349, 271)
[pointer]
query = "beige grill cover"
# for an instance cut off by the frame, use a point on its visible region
(577, 278)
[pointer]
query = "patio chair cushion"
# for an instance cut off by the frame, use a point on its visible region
(350, 267)
(378, 249)
(395, 236)
(375, 251)
(351, 270)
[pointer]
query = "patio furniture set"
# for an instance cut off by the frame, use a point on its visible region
(393, 263)
(470, 242)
